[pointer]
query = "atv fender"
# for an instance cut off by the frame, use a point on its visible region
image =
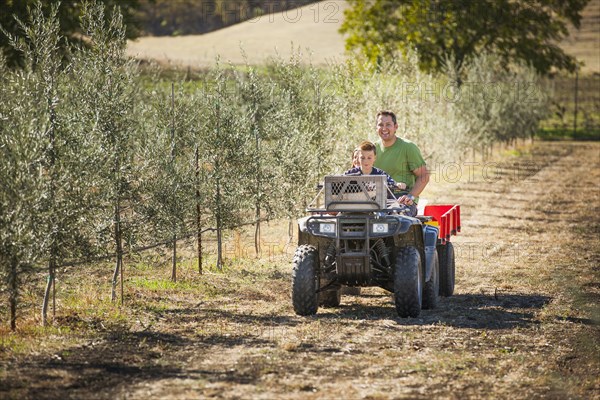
(302, 224)
(430, 236)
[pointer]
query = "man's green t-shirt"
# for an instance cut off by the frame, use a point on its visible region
(399, 160)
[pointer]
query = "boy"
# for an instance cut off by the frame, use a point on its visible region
(365, 155)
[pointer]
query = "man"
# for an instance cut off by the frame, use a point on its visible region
(401, 159)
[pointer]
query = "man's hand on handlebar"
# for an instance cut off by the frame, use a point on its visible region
(407, 199)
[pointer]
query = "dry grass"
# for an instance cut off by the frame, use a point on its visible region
(314, 30)
(584, 43)
(522, 324)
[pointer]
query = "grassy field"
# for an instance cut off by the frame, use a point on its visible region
(584, 43)
(314, 30)
(523, 323)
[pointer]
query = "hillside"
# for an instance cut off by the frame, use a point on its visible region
(585, 42)
(315, 28)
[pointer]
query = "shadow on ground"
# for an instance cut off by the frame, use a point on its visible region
(477, 311)
(103, 367)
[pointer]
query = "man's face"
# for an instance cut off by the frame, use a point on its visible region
(386, 129)
(366, 159)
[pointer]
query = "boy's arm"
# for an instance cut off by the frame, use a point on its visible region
(390, 181)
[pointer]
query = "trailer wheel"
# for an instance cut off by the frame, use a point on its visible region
(304, 280)
(447, 269)
(408, 282)
(432, 287)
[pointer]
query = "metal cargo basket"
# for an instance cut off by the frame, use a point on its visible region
(355, 193)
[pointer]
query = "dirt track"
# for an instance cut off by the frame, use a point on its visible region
(523, 322)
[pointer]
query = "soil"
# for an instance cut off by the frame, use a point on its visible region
(523, 322)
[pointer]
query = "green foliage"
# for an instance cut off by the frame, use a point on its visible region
(447, 33)
(567, 134)
(303, 135)
(167, 159)
(68, 14)
(105, 90)
(56, 209)
(224, 147)
(499, 105)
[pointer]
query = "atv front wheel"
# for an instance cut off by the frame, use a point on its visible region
(447, 269)
(304, 280)
(408, 282)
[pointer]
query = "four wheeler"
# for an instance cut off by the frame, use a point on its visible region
(357, 236)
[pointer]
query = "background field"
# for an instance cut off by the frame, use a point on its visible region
(313, 29)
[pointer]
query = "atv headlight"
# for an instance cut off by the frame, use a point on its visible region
(380, 228)
(327, 228)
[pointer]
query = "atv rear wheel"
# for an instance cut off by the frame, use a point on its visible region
(408, 282)
(447, 269)
(305, 281)
(432, 286)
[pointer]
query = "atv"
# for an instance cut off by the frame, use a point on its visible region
(357, 236)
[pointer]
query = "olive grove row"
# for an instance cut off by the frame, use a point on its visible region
(101, 157)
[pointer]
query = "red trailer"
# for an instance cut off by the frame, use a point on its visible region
(447, 218)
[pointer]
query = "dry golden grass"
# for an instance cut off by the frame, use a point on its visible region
(314, 30)
(522, 324)
(584, 44)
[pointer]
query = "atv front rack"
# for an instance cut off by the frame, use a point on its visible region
(359, 193)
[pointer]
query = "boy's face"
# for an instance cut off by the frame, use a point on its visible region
(366, 159)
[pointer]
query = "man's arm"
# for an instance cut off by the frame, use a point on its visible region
(422, 179)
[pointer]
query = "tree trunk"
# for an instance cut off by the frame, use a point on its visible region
(119, 246)
(52, 154)
(174, 198)
(219, 229)
(199, 239)
(49, 285)
(14, 292)
(290, 231)
(219, 245)
(174, 260)
(257, 248)
(198, 213)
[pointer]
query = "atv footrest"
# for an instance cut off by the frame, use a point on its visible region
(353, 268)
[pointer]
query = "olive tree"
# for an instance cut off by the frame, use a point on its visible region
(106, 87)
(167, 163)
(224, 154)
